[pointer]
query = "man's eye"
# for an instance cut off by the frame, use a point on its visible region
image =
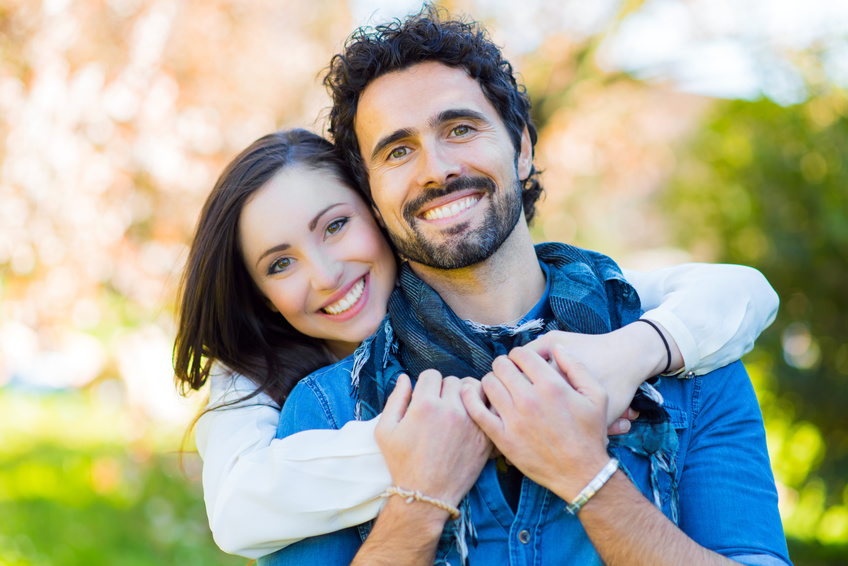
(336, 225)
(280, 265)
(399, 152)
(460, 130)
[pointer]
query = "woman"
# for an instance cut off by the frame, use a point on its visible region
(289, 271)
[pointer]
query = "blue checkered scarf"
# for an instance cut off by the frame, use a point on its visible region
(588, 294)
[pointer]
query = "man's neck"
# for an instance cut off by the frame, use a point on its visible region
(499, 290)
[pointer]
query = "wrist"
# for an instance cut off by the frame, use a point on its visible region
(427, 521)
(658, 352)
(593, 487)
(572, 483)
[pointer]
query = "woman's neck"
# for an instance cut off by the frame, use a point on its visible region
(339, 349)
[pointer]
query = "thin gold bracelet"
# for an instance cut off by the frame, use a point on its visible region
(418, 496)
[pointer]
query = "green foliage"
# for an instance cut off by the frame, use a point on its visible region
(767, 186)
(80, 496)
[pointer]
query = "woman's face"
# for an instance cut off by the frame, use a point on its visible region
(314, 250)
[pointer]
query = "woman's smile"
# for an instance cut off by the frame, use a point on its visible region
(354, 297)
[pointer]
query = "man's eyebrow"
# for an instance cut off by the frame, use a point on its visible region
(458, 114)
(390, 139)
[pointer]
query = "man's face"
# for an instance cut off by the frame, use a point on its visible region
(443, 171)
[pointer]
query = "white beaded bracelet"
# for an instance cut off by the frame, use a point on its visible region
(597, 483)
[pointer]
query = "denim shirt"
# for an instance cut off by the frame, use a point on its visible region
(727, 497)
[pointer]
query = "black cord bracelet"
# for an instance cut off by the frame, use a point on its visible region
(667, 347)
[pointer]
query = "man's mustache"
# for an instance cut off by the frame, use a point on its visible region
(461, 184)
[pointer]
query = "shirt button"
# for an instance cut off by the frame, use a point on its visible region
(524, 536)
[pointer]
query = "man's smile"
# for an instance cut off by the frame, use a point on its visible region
(452, 209)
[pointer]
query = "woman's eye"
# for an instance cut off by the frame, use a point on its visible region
(280, 265)
(336, 225)
(399, 152)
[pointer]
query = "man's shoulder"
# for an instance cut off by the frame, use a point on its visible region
(725, 389)
(322, 399)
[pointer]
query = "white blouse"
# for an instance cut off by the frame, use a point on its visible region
(264, 493)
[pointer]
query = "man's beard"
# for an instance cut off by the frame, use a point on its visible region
(465, 247)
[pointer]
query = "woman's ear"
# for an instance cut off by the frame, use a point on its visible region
(271, 306)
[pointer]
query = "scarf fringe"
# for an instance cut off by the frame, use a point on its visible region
(507, 329)
(652, 393)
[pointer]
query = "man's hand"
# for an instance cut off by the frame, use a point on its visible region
(428, 439)
(552, 429)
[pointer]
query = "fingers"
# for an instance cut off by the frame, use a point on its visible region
(578, 376)
(542, 345)
(429, 385)
(473, 397)
(397, 402)
(620, 426)
(630, 414)
(532, 365)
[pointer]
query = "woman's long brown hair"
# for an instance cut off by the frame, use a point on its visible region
(223, 318)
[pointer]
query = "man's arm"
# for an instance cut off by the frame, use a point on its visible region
(432, 446)
(553, 430)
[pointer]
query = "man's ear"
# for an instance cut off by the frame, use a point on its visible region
(377, 216)
(524, 163)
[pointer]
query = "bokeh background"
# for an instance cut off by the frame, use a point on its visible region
(671, 130)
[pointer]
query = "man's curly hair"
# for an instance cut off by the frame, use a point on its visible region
(429, 35)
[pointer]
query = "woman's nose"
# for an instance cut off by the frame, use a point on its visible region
(326, 273)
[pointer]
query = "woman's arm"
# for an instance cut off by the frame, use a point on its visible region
(248, 476)
(263, 493)
(713, 312)
(709, 315)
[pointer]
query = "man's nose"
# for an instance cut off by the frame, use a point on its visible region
(436, 165)
(327, 272)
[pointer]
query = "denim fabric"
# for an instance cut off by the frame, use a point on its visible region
(586, 293)
(727, 497)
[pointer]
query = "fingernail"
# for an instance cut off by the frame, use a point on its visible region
(625, 426)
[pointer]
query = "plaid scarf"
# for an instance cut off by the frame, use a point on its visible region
(588, 294)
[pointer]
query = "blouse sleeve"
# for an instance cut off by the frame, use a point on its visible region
(714, 312)
(263, 493)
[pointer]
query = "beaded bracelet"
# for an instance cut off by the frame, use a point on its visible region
(418, 496)
(597, 483)
(667, 347)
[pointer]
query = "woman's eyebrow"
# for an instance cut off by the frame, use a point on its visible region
(269, 251)
(314, 222)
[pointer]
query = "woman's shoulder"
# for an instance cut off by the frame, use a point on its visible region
(227, 386)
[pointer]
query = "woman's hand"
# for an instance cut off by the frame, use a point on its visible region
(429, 441)
(620, 361)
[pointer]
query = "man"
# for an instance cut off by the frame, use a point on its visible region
(435, 125)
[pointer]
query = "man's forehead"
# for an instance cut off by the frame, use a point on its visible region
(411, 97)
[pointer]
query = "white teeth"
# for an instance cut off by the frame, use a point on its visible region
(348, 300)
(451, 209)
